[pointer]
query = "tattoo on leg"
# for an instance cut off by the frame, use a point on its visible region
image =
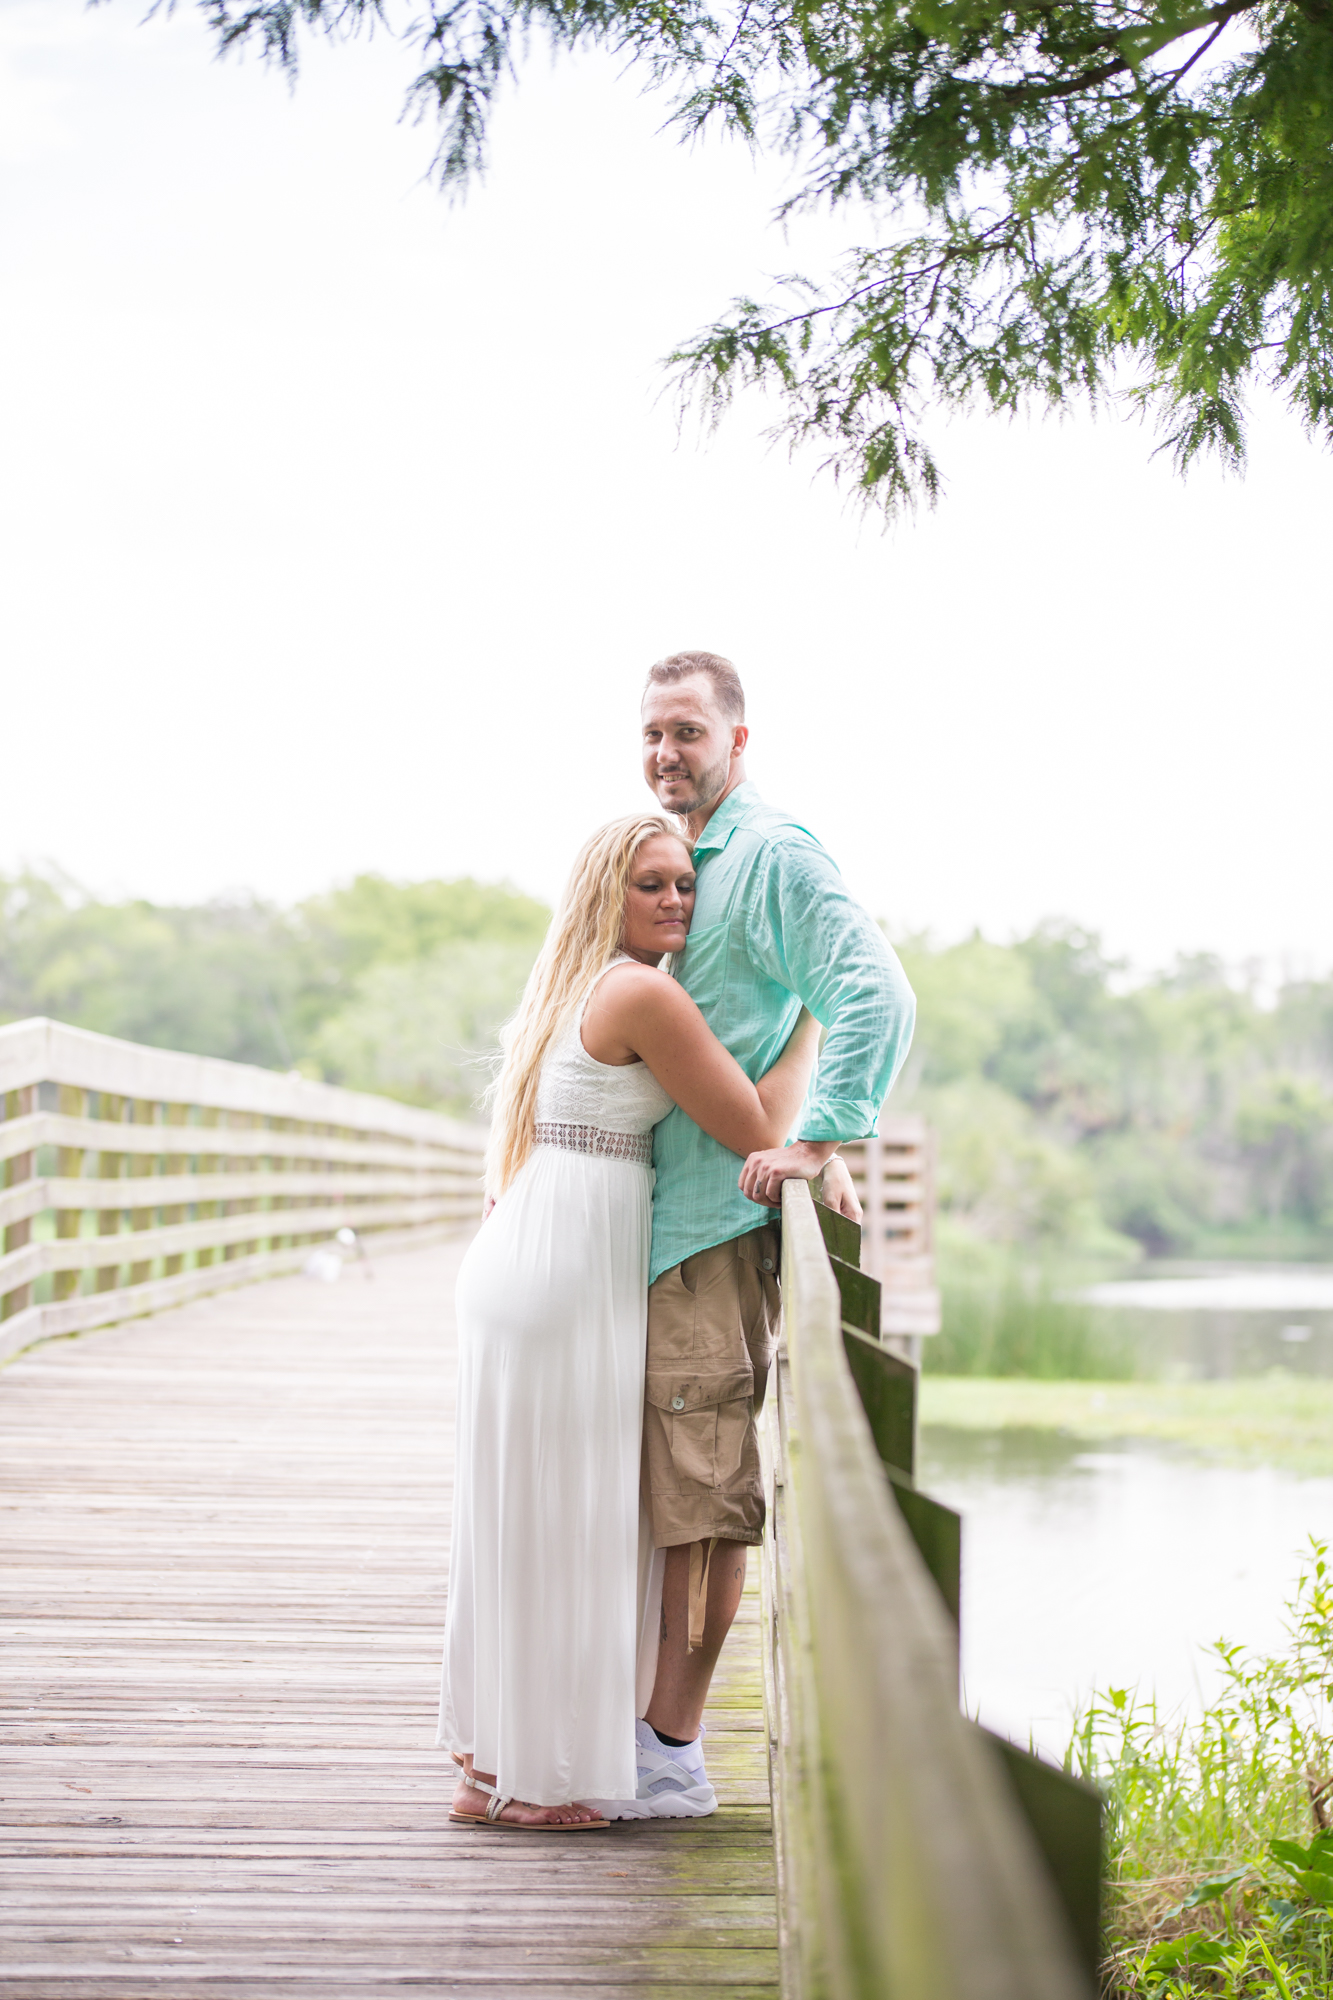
(664, 1630)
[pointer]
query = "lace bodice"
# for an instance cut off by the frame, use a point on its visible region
(575, 1089)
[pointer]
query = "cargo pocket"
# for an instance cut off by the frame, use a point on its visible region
(708, 1445)
(694, 1441)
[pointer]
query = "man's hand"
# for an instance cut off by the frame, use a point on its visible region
(763, 1173)
(838, 1191)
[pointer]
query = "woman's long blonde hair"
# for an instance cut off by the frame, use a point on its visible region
(585, 935)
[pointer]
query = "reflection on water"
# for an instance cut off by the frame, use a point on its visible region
(1205, 1321)
(1201, 1344)
(1111, 1567)
(1117, 1566)
(1198, 1322)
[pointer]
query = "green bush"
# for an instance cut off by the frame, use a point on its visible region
(1220, 1861)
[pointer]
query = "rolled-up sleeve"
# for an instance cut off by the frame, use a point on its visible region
(809, 935)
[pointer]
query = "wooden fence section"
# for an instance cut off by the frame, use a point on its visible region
(918, 1858)
(134, 1178)
(895, 1178)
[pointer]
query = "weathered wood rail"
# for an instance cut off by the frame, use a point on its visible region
(918, 1857)
(135, 1178)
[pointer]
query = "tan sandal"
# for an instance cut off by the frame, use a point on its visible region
(498, 1802)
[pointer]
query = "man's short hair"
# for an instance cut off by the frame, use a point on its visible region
(727, 690)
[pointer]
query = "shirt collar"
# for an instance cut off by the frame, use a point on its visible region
(726, 819)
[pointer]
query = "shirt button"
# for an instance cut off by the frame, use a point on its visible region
(678, 1402)
(767, 1263)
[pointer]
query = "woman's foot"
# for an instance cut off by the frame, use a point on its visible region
(472, 1801)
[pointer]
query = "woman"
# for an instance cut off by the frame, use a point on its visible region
(538, 1688)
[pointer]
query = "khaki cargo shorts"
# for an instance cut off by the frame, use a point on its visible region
(712, 1331)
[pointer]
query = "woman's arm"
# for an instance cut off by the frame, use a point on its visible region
(636, 1011)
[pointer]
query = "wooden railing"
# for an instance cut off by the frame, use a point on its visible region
(134, 1178)
(919, 1858)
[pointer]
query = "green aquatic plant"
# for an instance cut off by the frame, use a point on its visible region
(1006, 1315)
(1220, 1826)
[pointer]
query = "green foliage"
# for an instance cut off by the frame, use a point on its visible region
(1078, 1114)
(1001, 1171)
(395, 987)
(1210, 1889)
(1064, 198)
(426, 1031)
(229, 978)
(1285, 1120)
(376, 922)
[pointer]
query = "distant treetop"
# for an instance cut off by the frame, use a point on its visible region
(373, 921)
(242, 978)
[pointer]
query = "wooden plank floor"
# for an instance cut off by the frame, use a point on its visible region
(225, 1538)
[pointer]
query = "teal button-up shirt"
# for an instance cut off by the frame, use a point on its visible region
(775, 929)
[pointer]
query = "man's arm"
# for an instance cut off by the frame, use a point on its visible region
(809, 935)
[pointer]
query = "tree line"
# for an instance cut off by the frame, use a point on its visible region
(1185, 1111)
(385, 986)
(1075, 1109)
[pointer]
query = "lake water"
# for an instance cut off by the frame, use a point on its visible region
(1203, 1321)
(1118, 1566)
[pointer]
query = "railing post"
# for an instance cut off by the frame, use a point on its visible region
(141, 1166)
(71, 1103)
(175, 1166)
(17, 1236)
(111, 1109)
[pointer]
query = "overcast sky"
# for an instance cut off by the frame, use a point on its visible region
(340, 524)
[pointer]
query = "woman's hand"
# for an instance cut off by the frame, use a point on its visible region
(763, 1173)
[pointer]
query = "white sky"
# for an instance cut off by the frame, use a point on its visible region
(340, 524)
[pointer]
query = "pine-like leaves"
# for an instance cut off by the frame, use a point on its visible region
(1070, 197)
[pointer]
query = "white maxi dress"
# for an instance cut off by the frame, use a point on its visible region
(546, 1584)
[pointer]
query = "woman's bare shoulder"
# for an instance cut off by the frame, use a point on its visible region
(638, 989)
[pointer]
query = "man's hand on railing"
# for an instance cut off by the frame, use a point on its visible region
(763, 1173)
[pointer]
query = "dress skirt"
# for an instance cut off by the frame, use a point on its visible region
(545, 1582)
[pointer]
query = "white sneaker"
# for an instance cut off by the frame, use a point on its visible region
(673, 1783)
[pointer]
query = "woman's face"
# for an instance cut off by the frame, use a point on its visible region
(660, 901)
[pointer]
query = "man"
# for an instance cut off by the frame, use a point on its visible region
(774, 929)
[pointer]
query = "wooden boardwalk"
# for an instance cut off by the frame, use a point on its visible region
(225, 1535)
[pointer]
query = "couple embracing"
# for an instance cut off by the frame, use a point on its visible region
(617, 1311)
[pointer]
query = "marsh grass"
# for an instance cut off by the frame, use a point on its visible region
(1219, 1849)
(1007, 1315)
(1274, 1419)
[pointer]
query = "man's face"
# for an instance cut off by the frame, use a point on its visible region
(687, 746)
